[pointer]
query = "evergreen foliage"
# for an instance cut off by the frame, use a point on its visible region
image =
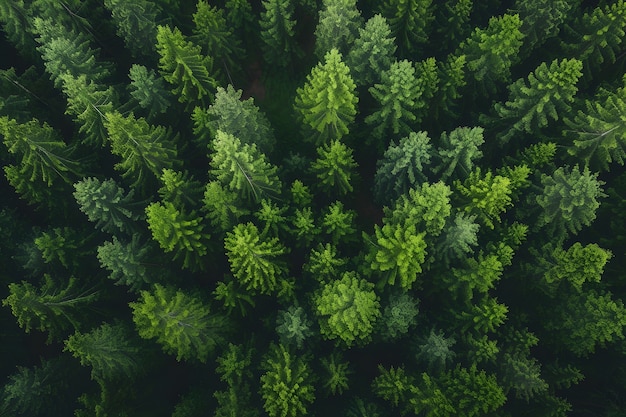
(149, 90)
(339, 22)
(458, 151)
(337, 374)
(135, 23)
(128, 262)
(398, 316)
(410, 22)
(277, 33)
(334, 168)
(293, 326)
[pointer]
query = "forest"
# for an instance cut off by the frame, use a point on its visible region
(285, 208)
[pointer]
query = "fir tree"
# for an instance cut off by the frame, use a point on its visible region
(410, 22)
(135, 23)
(277, 33)
(293, 326)
(128, 262)
(334, 168)
(337, 373)
(338, 223)
(398, 316)
(393, 385)
(148, 89)
(458, 150)
(223, 207)
(339, 21)
(435, 350)
(457, 239)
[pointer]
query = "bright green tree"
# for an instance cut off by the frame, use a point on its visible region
(569, 200)
(17, 26)
(393, 385)
(486, 196)
(286, 385)
(324, 263)
(180, 188)
(303, 226)
(107, 204)
(372, 52)
(180, 322)
(428, 398)
(458, 150)
(410, 22)
(597, 133)
(327, 102)
(277, 33)
(255, 260)
(109, 350)
(347, 309)
(546, 95)
(464, 385)
(54, 307)
(339, 21)
(484, 316)
(338, 223)
(242, 168)
(145, 149)
(402, 167)
(135, 22)
(490, 52)
(334, 168)
(149, 90)
(223, 207)
(182, 64)
(232, 295)
(178, 232)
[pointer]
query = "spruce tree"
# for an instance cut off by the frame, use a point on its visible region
(136, 23)
(339, 21)
(277, 33)
(334, 168)
(148, 89)
(410, 22)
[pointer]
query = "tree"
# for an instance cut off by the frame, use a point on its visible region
(136, 24)
(148, 89)
(334, 168)
(463, 385)
(337, 373)
(180, 188)
(392, 385)
(180, 322)
(54, 307)
(399, 252)
(403, 166)
(451, 80)
(458, 150)
(435, 350)
(427, 397)
(143, 148)
(337, 26)
(410, 22)
(327, 102)
(546, 94)
(457, 239)
(398, 97)
(541, 20)
(490, 52)
(128, 262)
(398, 316)
(17, 26)
(479, 275)
(223, 207)
(597, 133)
(178, 232)
(232, 295)
(293, 326)
(255, 260)
(109, 350)
(338, 223)
(453, 22)
(240, 118)
(277, 33)
(233, 367)
(485, 316)
(487, 197)
(372, 52)
(242, 168)
(89, 102)
(324, 263)
(347, 309)
(303, 227)
(182, 65)
(522, 375)
(107, 204)
(569, 200)
(286, 386)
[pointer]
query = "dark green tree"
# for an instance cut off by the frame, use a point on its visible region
(223, 207)
(372, 52)
(286, 385)
(136, 23)
(347, 309)
(457, 239)
(293, 326)
(410, 22)
(337, 373)
(393, 385)
(399, 315)
(180, 188)
(17, 25)
(522, 375)
(232, 295)
(435, 351)
(334, 168)
(324, 263)
(463, 385)
(180, 322)
(129, 262)
(457, 152)
(337, 27)
(277, 33)
(327, 102)
(338, 223)
(453, 21)
(149, 90)
(541, 20)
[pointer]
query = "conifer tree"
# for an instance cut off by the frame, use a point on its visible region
(148, 89)
(338, 223)
(337, 374)
(457, 239)
(372, 52)
(484, 316)
(277, 33)
(410, 22)
(347, 309)
(463, 385)
(135, 23)
(458, 150)
(54, 307)
(426, 206)
(399, 315)
(106, 204)
(16, 21)
(547, 94)
(541, 20)
(393, 385)
(490, 52)
(223, 207)
(180, 322)
(286, 385)
(324, 263)
(451, 80)
(242, 168)
(435, 351)
(144, 149)
(327, 102)
(178, 232)
(293, 326)
(232, 295)
(255, 260)
(334, 168)
(403, 166)
(182, 64)
(339, 21)
(453, 22)
(129, 262)
(180, 188)
(109, 350)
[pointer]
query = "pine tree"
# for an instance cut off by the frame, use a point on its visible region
(54, 307)
(180, 188)
(232, 295)
(277, 33)
(338, 223)
(399, 315)
(109, 350)
(339, 21)
(129, 262)
(393, 385)
(293, 326)
(145, 149)
(334, 168)
(180, 322)
(547, 94)
(463, 385)
(178, 232)
(484, 316)
(457, 239)
(106, 204)
(223, 207)
(403, 166)
(255, 260)
(522, 375)
(324, 263)
(286, 385)
(148, 89)
(372, 52)
(135, 23)
(182, 65)
(337, 372)
(458, 150)
(435, 351)
(451, 80)
(327, 102)
(410, 22)
(243, 169)
(453, 22)
(347, 309)
(541, 20)
(17, 26)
